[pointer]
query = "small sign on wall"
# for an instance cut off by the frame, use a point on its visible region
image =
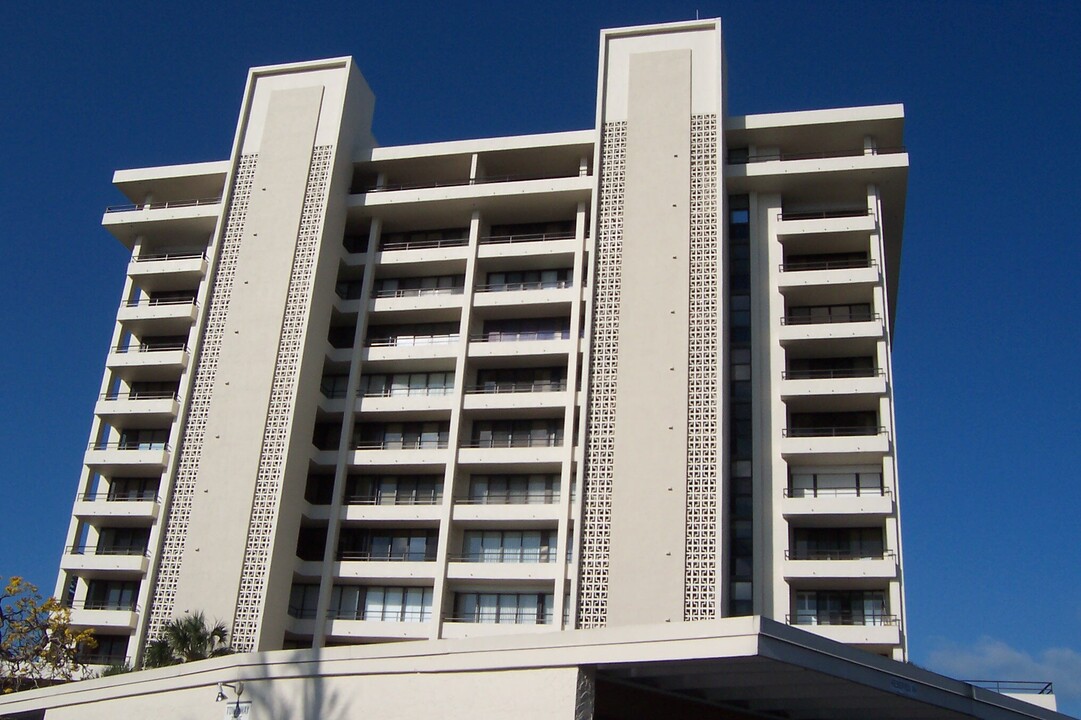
(238, 711)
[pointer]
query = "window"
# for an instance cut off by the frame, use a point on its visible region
(334, 386)
(830, 367)
(842, 607)
(503, 608)
(513, 489)
(303, 600)
(417, 286)
(394, 490)
(498, 380)
(407, 384)
(509, 546)
(504, 281)
(412, 335)
(814, 314)
(123, 541)
(110, 650)
(833, 424)
(387, 545)
(514, 329)
(837, 543)
(401, 436)
(132, 488)
(381, 604)
(518, 433)
(143, 439)
(111, 595)
(829, 483)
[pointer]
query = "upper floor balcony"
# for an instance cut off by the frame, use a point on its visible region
(834, 433)
(106, 456)
(189, 217)
(118, 508)
(167, 314)
(105, 560)
(154, 405)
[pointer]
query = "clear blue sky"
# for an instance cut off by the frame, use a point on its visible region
(987, 317)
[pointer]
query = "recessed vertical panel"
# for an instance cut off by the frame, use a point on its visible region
(646, 570)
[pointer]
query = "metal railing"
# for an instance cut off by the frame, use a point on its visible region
(509, 555)
(839, 431)
(408, 392)
(518, 387)
(104, 605)
(417, 292)
(836, 492)
(420, 444)
(142, 347)
(522, 335)
(824, 214)
(423, 244)
(524, 237)
(517, 286)
(403, 615)
(848, 317)
(821, 155)
(104, 659)
(142, 395)
(516, 442)
(459, 182)
(368, 556)
(124, 550)
(842, 618)
(167, 256)
(163, 205)
(156, 302)
(520, 616)
(133, 496)
(1017, 687)
(838, 554)
(382, 499)
(509, 498)
(128, 445)
(413, 340)
(831, 374)
(828, 265)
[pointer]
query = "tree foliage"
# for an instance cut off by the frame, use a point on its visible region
(187, 639)
(38, 646)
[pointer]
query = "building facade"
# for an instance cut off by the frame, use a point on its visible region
(633, 375)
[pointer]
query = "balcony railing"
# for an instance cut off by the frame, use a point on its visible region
(516, 442)
(843, 317)
(406, 392)
(827, 265)
(167, 256)
(518, 387)
(162, 347)
(841, 618)
(133, 496)
(840, 431)
(838, 554)
(105, 605)
(524, 237)
(93, 658)
(413, 340)
(504, 617)
(509, 555)
(831, 373)
(824, 214)
(516, 286)
(783, 156)
(423, 244)
(836, 492)
(458, 182)
(420, 444)
(417, 292)
(142, 395)
(368, 556)
(128, 445)
(126, 550)
(387, 499)
(519, 336)
(163, 205)
(158, 302)
(511, 498)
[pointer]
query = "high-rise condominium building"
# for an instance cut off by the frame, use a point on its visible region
(633, 375)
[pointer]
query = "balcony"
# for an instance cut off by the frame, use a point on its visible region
(400, 300)
(477, 567)
(882, 630)
(839, 440)
(153, 404)
(530, 449)
(195, 217)
(171, 357)
(828, 272)
(121, 507)
(406, 400)
(833, 381)
(412, 346)
(174, 315)
(836, 501)
(840, 563)
(530, 343)
(504, 621)
(89, 560)
(839, 220)
(189, 267)
(127, 454)
(512, 395)
(399, 453)
(112, 616)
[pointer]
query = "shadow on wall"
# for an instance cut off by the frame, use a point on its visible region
(316, 700)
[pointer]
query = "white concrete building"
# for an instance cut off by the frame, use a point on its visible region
(629, 375)
(601, 420)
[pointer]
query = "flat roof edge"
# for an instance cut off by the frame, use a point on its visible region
(160, 172)
(859, 113)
